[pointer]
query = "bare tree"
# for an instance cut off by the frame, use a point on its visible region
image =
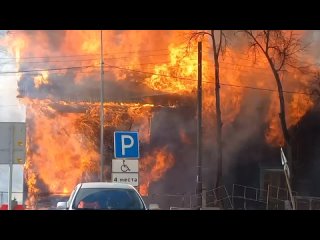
(315, 87)
(281, 49)
(219, 43)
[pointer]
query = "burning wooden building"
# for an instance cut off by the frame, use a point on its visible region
(150, 84)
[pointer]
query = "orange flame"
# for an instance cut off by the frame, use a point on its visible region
(60, 156)
(17, 46)
(153, 166)
(41, 79)
(299, 105)
(62, 148)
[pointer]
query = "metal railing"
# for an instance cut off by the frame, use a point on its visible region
(242, 197)
(245, 197)
(218, 197)
(307, 203)
(273, 198)
(4, 196)
(277, 197)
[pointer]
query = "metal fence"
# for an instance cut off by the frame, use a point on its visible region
(307, 203)
(278, 197)
(218, 197)
(247, 198)
(241, 198)
(250, 198)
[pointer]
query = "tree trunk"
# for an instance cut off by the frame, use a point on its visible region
(218, 110)
(282, 116)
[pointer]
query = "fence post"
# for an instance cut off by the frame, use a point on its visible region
(204, 197)
(268, 197)
(278, 198)
(310, 204)
(232, 196)
(183, 200)
(244, 198)
(226, 191)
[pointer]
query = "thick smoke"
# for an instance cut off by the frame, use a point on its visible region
(62, 87)
(306, 153)
(167, 126)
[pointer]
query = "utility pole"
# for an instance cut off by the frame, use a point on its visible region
(216, 52)
(199, 128)
(101, 111)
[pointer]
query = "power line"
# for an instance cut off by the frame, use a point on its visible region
(225, 84)
(48, 69)
(82, 60)
(11, 106)
(90, 55)
(116, 58)
(108, 58)
(156, 63)
(76, 60)
(264, 89)
(152, 73)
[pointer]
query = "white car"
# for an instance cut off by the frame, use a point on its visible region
(104, 196)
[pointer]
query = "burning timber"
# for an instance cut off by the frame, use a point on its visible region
(63, 138)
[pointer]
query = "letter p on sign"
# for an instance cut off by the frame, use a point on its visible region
(126, 145)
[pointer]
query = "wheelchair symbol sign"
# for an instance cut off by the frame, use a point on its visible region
(124, 167)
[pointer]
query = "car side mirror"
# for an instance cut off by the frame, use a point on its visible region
(62, 205)
(154, 206)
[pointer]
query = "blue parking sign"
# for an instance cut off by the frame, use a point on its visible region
(126, 145)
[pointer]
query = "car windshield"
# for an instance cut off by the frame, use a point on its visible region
(103, 198)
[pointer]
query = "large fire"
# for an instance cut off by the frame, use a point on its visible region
(67, 153)
(63, 144)
(153, 166)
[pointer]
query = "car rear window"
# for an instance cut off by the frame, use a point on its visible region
(112, 199)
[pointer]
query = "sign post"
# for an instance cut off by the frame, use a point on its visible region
(287, 175)
(125, 166)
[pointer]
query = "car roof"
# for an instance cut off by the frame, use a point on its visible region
(106, 185)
